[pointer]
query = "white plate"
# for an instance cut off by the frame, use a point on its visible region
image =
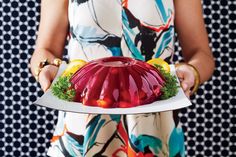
(51, 101)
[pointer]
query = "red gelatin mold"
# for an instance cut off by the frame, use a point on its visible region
(117, 82)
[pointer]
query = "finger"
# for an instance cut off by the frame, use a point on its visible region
(53, 72)
(188, 80)
(184, 79)
(187, 93)
(44, 81)
(46, 76)
(185, 85)
(180, 74)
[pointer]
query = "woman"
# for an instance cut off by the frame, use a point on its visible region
(137, 29)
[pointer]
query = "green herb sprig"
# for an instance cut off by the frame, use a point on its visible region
(62, 88)
(171, 86)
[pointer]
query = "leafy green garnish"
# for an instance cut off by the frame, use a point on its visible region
(62, 88)
(171, 86)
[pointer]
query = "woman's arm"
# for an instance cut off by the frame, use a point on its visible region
(193, 37)
(53, 29)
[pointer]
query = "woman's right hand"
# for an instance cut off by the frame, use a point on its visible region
(46, 76)
(50, 44)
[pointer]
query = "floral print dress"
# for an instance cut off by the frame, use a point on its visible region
(141, 29)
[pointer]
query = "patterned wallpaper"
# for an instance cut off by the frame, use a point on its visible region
(25, 129)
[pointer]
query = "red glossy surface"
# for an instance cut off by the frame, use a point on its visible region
(117, 82)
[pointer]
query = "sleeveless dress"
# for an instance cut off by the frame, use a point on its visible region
(141, 29)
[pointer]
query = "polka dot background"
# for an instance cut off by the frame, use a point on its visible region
(25, 129)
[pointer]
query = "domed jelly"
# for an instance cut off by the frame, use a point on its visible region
(117, 82)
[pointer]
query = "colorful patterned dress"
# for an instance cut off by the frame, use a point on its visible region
(141, 29)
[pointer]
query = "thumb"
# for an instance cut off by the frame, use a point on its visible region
(184, 85)
(188, 81)
(186, 77)
(44, 81)
(182, 77)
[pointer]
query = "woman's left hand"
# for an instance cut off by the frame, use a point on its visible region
(186, 77)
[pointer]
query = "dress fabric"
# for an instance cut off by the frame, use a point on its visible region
(141, 29)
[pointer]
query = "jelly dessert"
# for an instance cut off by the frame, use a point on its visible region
(117, 82)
